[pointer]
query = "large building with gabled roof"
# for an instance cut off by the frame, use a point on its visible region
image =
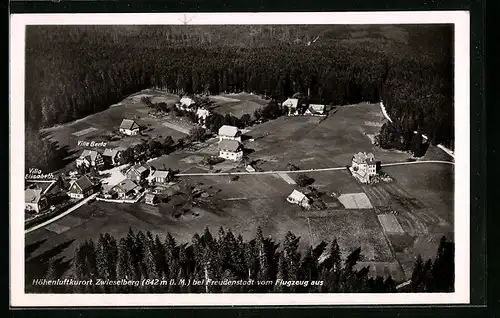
(81, 188)
(129, 127)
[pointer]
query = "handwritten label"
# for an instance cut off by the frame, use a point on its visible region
(84, 143)
(34, 173)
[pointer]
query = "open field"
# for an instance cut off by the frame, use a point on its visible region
(422, 194)
(238, 104)
(345, 225)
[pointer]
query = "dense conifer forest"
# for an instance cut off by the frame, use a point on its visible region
(74, 71)
(225, 257)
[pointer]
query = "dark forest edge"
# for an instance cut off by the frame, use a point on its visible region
(144, 257)
(72, 72)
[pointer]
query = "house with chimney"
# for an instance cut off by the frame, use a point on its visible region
(231, 150)
(158, 176)
(227, 132)
(126, 189)
(129, 127)
(138, 172)
(81, 188)
(90, 158)
(299, 198)
(34, 200)
(363, 166)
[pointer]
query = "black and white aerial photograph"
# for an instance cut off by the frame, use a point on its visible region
(170, 159)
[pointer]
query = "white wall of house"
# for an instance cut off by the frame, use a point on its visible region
(231, 155)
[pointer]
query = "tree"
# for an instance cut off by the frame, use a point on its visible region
(127, 156)
(304, 180)
(246, 119)
(196, 133)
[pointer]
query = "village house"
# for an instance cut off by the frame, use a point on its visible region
(249, 168)
(112, 156)
(363, 166)
(129, 127)
(187, 104)
(158, 176)
(126, 188)
(90, 158)
(138, 172)
(34, 200)
(230, 149)
(299, 198)
(81, 188)
(315, 110)
(201, 114)
(151, 199)
(229, 133)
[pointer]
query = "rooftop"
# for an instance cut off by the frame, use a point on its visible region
(128, 124)
(84, 183)
(32, 195)
(297, 195)
(229, 145)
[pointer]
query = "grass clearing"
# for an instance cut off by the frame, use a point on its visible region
(353, 229)
(84, 132)
(390, 224)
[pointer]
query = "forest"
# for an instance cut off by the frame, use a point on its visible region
(74, 71)
(225, 257)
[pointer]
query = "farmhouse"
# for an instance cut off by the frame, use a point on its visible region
(229, 133)
(90, 158)
(299, 198)
(201, 114)
(151, 199)
(230, 149)
(81, 188)
(363, 166)
(315, 110)
(126, 188)
(129, 127)
(112, 156)
(158, 176)
(138, 172)
(34, 200)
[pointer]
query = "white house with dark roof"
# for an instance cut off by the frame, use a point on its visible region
(229, 133)
(81, 188)
(129, 127)
(34, 200)
(90, 158)
(315, 110)
(299, 198)
(126, 188)
(363, 166)
(231, 150)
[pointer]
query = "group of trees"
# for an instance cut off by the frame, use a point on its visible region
(394, 135)
(225, 256)
(75, 71)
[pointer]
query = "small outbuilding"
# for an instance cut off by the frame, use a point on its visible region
(299, 198)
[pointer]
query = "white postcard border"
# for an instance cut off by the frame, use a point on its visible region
(461, 19)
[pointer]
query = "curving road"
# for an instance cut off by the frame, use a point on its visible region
(57, 217)
(307, 170)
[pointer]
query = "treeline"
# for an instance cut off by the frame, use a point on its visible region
(226, 257)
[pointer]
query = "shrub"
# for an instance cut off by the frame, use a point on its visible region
(303, 180)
